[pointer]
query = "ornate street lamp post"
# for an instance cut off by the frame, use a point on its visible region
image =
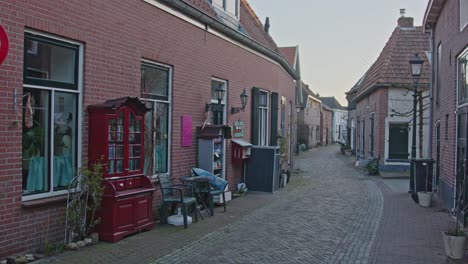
(416, 69)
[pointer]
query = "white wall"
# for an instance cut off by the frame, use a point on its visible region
(340, 119)
(400, 101)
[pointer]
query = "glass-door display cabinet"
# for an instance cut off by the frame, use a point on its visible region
(116, 138)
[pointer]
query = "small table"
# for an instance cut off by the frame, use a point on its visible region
(193, 181)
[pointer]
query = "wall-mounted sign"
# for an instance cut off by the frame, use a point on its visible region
(238, 129)
(186, 131)
(4, 44)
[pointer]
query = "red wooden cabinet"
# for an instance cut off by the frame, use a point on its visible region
(116, 137)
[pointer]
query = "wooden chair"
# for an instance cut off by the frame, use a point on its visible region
(173, 194)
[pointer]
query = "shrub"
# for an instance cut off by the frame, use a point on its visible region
(372, 166)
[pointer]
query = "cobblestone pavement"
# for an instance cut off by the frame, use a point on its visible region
(330, 215)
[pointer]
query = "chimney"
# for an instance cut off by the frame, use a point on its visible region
(267, 25)
(403, 21)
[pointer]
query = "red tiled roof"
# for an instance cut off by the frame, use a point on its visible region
(248, 20)
(202, 5)
(392, 66)
(289, 53)
(254, 27)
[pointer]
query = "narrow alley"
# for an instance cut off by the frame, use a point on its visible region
(330, 212)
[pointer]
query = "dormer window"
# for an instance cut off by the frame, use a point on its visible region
(230, 7)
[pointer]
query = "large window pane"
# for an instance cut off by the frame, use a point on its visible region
(64, 161)
(155, 82)
(36, 132)
(463, 83)
(49, 61)
(156, 90)
(157, 139)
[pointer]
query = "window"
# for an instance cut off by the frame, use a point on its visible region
(156, 91)
(463, 14)
(372, 135)
(51, 107)
(438, 68)
(260, 109)
(263, 122)
(283, 116)
(463, 77)
(231, 7)
(218, 116)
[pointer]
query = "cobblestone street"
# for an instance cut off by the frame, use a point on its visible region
(330, 216)
(329, 213)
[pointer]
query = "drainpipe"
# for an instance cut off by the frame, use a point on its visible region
(431, 101)
(232, 33)
(431, 92)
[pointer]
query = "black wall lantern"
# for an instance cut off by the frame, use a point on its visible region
(219, 93)
(243, 98)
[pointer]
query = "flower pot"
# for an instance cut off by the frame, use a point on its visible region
(425, 199)
(454, 246)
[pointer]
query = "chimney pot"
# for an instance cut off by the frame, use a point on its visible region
(402, 12)
(405, 22)
(267, 25)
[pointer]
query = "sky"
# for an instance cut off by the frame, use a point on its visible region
(338, 39)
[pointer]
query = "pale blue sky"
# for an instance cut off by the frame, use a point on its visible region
(338, 40)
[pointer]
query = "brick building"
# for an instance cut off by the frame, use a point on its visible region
(309, 118)
(65, 56)
(381, 102)
(326, 125)
(340, 119)
(447, 21)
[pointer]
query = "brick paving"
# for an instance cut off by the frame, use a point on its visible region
(329, 213)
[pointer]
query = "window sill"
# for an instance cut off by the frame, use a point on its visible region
(45, 201)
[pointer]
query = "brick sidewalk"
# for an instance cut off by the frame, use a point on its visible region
(329, 213)
(147, 246)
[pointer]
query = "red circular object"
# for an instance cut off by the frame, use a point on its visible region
(4, 44)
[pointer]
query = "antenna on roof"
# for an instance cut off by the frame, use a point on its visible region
(267, 25)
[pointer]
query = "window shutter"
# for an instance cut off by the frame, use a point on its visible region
(255, 116)
(274, 120)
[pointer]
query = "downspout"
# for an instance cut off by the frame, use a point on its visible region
(431, 93)
(232, 33)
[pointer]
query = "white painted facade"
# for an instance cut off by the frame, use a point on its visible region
(400, 107)
(340, 123)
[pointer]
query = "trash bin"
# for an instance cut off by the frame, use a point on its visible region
(423, 169)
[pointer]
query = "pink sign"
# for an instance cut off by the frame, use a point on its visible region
(186, 131)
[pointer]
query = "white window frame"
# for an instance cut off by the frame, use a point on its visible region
(224, 104)
(465, 5)
(169, 125)
(79, 93)
(224, 100)
(264, 117)
(463, 53)
(223, 7)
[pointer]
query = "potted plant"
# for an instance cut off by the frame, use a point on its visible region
(372, 166)
(84, 199)
(455, 237)
(425, 197)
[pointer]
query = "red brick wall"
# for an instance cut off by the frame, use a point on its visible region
(376, 103)
(116, 36)
(447, 33)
